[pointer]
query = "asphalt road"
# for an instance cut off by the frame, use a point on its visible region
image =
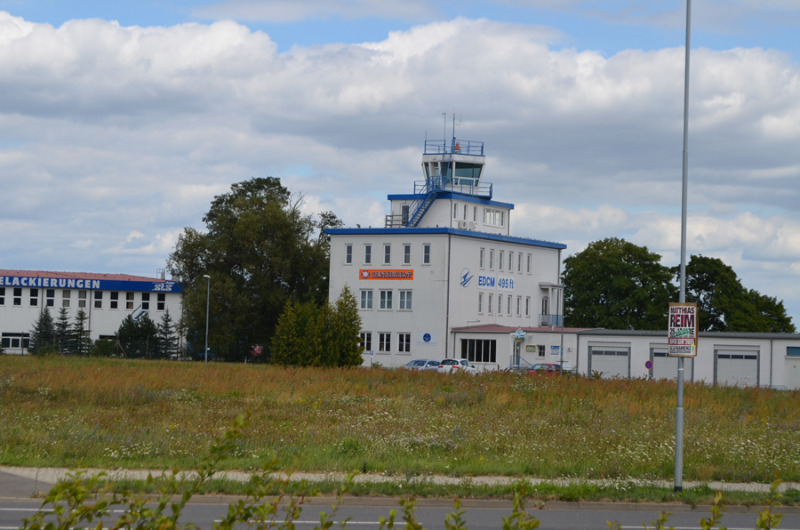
(17, 503)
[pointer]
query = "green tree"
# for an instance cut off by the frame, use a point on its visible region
(344, 326)
(65, 340)
(260, 251)
(43, 334)
(138, 337)
(615, 284)
(80, 333)
(167, 337)
(312, 335)
(724, 304)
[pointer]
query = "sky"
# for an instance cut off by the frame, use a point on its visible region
(121, 121)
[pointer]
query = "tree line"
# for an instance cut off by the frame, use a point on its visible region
(615, 284)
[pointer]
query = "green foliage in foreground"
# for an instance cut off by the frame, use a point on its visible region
(83, 500)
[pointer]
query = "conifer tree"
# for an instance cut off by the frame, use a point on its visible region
(43, 334)
(81, 341)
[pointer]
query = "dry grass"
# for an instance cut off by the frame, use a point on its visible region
(118, 413)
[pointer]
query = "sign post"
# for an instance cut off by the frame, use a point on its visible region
(682, 340)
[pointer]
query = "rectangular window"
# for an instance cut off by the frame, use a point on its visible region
(387, 253)
(34, 294)
(510, 261)
(366, 299)
(98, 299)
(479, 350)
(146, 301)
(426, 254)
(493, 217)
(366, 340)
(491, 258)
(499, 304)
(455, 210)
(50, 297)
(519, 304)
(519, 262)
(406, 254)
(465, 212)
(65, 298)
(386, 299)
(404, 342)
(81, 299)
(17, 295)
(348, 253)
(529, 263)
(2, 296)
(489, 304)
(480, 302)
(384, 342)
(481, 257)
(527, 306)
(501, 260)
(128, 300)
(540, 349)
(114, 299)
(162, 299)
(405, 300)
(508, 305)
(367, 254)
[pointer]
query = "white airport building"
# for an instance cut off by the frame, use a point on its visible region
(105, 298)
(444, 278)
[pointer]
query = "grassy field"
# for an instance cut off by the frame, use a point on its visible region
(81, 412)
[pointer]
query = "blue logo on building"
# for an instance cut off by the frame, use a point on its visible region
(466, 277)
(426, 337)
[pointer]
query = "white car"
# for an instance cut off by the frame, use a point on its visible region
(422, 364)
(448, 366)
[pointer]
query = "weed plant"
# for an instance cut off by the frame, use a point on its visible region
(111, 413)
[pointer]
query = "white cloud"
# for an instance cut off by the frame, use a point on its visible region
(110, 131)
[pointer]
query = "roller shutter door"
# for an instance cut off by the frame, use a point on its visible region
(610, 362)
(736, 367)
(793, 368)
(665, 367)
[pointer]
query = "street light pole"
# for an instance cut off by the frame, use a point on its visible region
(208, 298)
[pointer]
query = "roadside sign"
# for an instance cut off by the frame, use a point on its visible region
(682, 335)
(649, 364)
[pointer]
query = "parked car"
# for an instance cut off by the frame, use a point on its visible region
(422, 364)
(448, 366)
(545, 369)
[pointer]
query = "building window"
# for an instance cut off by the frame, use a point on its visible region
(489, 304)
(50, 297)
(128, 300)
(348, 253)
(387, 253)
(368, 254)
(527, 306)
(465, 212)
(366, 340)
(17, 295)
(493, 217)
(491, 258)
(499, 304)
(386, 299)
(479, 350)
(162, 299)
(404, 342)
(529, 263)
(34, 294)
(366, 299)
(65, 298)
(405, 300)
(540, 349)
(519, 303)
(455, 210)
(114, 299)
(384, 342)
(510, 261)
(426, 254)
(545, 306)
(98, 299)
(501, 260)
(480, 302)
(519, 262)
(407, 254)
(81, 299)
(146, 301)
(481, 257)
(2, 296)
(508, 306)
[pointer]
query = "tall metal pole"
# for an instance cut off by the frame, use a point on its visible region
(208, 298)
(682, 295)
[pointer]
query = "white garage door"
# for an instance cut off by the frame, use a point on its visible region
(665, 367)
(793, 368)
(609, 361)
(735, 367)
